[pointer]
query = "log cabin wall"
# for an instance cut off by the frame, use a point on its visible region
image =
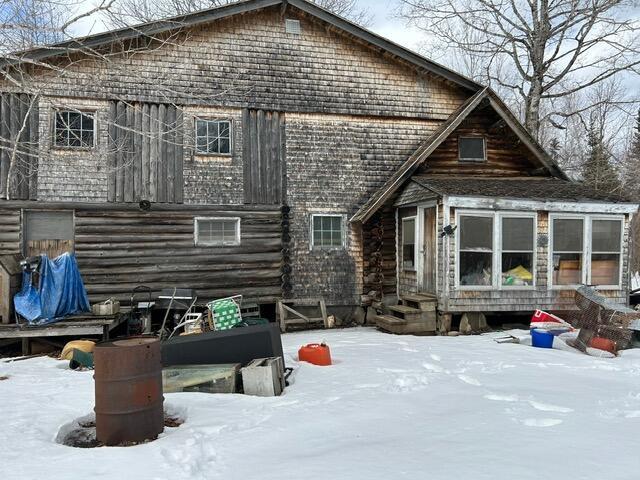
(379, 253)
(529, 299)
(119, 247)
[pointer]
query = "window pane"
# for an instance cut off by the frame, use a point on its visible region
(517, 234)
(87, 122)
(606, 236)
(326, 238)
(87, 138)
(476, 233)
(605, 269)
(213, 145)
(223, 129)
(201, 128)
(408, 256)
(225, 147)
(317, 238)
(517, 269)
(567, 269)
(202, 144)
(471, 148)
(567, 235)
(336, 238)
(217, 232)
(317, 222)
(408, 232)
(74, 120)
(475, 268)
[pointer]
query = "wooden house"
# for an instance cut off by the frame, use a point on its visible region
(272, 149)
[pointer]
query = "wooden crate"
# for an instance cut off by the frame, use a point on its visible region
(264, 377)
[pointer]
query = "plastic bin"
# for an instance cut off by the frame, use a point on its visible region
(541, 338)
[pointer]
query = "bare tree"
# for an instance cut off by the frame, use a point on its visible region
(130, 12)
(540, 50)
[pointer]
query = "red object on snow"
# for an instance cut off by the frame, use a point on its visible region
(543, 317)
(315, 353)
(603, 344)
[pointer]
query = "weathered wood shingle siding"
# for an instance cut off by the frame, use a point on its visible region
(250, 60)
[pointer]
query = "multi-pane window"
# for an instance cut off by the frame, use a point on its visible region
(517, 251)
(567, 248)
(213, 137)
(593, 258)
(217, 231)
(606, 237)
(409, 243)
(74, 129)
(475, 250)
(471, 149)
(327, 231)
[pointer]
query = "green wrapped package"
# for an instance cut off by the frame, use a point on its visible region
(226, 314)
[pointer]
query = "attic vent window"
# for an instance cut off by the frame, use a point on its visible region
(292, 26)
(471, 149)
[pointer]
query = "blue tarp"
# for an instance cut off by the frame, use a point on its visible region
(60, 292)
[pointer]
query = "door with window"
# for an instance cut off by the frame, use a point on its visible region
(429, 253)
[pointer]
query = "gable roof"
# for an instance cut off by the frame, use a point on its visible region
(427, 148)
(540, 188)
(246, 6)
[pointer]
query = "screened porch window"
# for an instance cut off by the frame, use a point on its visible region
(568, 246)
(476, 250)
(517, 251)
(606, 237)
(409, 243)
(217, 231)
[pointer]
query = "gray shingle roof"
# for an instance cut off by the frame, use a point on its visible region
(525, 188)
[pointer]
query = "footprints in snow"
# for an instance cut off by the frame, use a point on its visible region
(542, 407)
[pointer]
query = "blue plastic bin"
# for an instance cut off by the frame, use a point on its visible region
(541, 338)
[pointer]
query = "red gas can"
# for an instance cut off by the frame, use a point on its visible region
(316, 353)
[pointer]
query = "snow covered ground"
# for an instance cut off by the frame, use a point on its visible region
(391, 407)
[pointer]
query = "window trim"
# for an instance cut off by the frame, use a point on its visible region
(415, 243)
(343, 228)
(237, 239)
(93, 113)
(484, 149)
(496, 267)
(199, 153)
(587, 249)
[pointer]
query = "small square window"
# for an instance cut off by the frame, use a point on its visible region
(471, 149)
(213, 137)
(327, 231)
(74, 129)
(217, 231)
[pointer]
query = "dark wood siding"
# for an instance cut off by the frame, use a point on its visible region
(379, 253)
(119, 247)
(18, 140)
(145, 159)
(263, 156)
(505, 155)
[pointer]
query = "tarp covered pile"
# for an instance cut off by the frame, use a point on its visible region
(60, 291)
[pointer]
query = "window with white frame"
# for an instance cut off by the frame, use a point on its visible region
(471, 149)
(217, 231)
(327, 231)
(475, 251)
(74, 129)
(586, 249)
(213, 137)
(409, 243)
(517, 256)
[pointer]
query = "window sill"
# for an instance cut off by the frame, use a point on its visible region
(205, 156)
(208, 245)
(72, 149)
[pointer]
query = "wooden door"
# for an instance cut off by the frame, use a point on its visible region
(429, 251)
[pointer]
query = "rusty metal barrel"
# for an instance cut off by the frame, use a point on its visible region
(128, 390)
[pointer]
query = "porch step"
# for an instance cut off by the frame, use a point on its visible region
(426, 303)
(406, 312)
(401, 326)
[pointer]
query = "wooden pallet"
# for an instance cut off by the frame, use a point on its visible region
(289, 316)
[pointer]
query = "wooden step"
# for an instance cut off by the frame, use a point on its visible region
(419, 301)
(389, 320)
(419, 297)
(408, 313)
